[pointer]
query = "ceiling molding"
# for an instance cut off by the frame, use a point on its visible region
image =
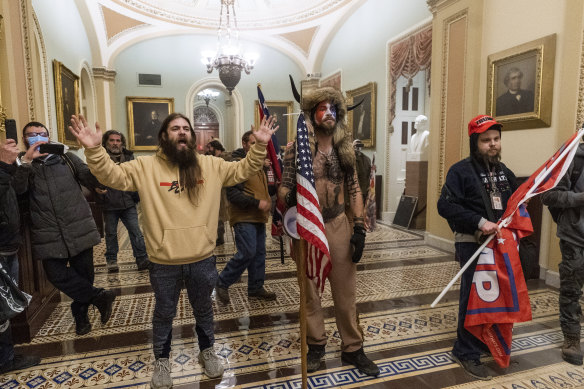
(116, 23)
(302, 38)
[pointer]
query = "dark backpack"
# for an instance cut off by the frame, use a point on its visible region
(576, 171)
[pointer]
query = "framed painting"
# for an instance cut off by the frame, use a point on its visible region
(333, 80)
(361, 119)
(145, 115)
(287, 129)
(520, 83)
(66, 101)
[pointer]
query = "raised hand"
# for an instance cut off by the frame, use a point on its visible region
(266, 130)
(8, 151)
(84, 134)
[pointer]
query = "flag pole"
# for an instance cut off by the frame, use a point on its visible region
(504, 223)
(300, 254)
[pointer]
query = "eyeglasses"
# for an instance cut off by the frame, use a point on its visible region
(31, 134)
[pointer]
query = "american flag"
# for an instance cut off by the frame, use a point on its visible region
(277, 227)
(309, 223)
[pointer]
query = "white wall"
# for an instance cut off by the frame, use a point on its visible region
(178, 59)
(65, 40)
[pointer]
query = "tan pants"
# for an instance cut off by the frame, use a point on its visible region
(342, 282)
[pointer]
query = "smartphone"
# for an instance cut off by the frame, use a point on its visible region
(52, 148)
(11, 131)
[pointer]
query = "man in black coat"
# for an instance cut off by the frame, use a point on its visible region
(10, 241)
(472, 200)
(63, 231)
(119, 205)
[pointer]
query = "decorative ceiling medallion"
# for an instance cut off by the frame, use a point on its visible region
(267, 14)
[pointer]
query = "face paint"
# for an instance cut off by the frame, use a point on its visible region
(324, 111)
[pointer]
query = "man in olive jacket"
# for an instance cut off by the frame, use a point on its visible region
(250, 205)
(63, 230)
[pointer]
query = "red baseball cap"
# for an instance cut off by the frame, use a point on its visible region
(482, 123)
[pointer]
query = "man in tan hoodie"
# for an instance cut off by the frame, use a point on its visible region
(179, 190)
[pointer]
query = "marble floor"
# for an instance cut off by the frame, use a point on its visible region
(398, 277)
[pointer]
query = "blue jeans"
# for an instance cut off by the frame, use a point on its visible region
(250, 240)
(129, 217)
(466, 347)
(199, 278)
(10, 265)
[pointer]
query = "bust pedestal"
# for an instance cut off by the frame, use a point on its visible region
(416, 185)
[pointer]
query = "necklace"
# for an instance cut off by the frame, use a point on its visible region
(326, 154)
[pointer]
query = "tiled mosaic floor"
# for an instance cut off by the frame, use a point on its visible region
(259, 341)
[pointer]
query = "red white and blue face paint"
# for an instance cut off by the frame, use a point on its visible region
(325, 111)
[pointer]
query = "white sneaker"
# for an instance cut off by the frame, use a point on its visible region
(211, 363)
(161, 378)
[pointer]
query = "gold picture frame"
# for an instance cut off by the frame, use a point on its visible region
(287, 129)
(66, 101)
(520, 83)
(145, 114)
(363, 127)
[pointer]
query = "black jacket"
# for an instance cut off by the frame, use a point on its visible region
(10, 237)
(568, 196)
(461, 202)
(118, 200)
(62, 225)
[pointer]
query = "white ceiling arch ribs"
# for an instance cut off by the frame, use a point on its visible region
(300, 31)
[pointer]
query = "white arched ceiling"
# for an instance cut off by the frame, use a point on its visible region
(301, 29)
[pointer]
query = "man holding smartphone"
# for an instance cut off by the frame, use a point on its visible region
(63, 231)
(10, 241)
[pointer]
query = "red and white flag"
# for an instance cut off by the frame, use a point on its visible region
(309, 222)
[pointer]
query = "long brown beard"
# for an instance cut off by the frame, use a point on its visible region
(324, 129)
(186, 160)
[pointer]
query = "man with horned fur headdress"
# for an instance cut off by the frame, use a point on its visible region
(334, 167)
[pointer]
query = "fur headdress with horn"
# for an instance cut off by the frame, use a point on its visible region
(342, 139)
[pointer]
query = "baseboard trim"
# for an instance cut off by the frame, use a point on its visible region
(552, 278)
(437, 241)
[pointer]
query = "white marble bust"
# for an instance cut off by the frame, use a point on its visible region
(418, 147)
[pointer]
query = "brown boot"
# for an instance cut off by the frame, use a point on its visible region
(571, 351)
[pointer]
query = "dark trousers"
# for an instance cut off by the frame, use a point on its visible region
(466, 347)
(199, 278)
(250, 240)
(76, 279)
(129, 217)
(571, 282)
(10, 265)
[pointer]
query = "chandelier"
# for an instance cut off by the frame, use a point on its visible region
(228, 59)
(207, 95)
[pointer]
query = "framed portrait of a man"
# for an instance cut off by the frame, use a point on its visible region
(66, 101)
(145, 115)
(278, 109)
(520, 84)
(361, 119)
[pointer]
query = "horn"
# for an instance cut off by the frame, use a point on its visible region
(294, 90)
(351, 107)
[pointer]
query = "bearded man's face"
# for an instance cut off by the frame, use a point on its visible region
(178, 144)
(325, 118)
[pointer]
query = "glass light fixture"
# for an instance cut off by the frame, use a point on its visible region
(228, 59)
(207, 95)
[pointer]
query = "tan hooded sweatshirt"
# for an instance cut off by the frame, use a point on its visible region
(176, 231)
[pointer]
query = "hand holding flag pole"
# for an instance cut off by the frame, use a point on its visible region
(537, 183)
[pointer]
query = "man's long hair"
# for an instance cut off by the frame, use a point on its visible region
(188, 164)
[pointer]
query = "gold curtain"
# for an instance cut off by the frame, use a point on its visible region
(407, 57)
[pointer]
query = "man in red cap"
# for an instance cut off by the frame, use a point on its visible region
(473, 199)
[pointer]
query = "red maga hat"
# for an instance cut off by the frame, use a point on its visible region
(482, 123)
